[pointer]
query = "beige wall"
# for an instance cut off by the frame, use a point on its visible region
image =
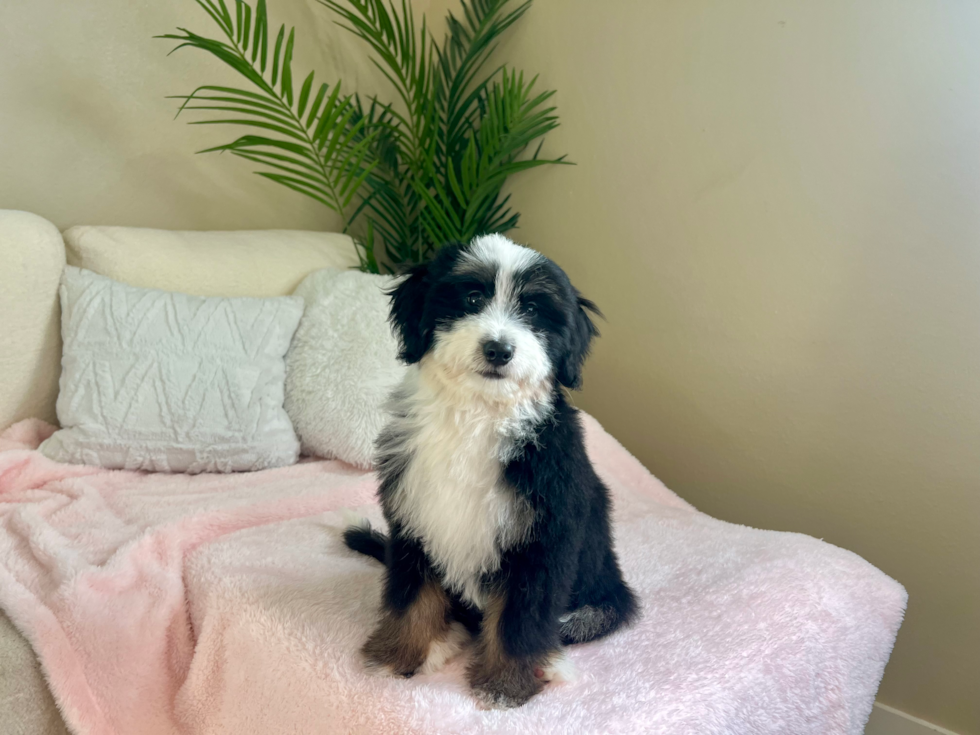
(777, 204)
(87, 136)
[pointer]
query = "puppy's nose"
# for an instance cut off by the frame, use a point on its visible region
(498, 353)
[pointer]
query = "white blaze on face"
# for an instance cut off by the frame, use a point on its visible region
(458, 348)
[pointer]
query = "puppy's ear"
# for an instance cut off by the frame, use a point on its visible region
(407, 308)
(581, 332)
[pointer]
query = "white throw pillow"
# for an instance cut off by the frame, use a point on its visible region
(342, 365)
(161, 381)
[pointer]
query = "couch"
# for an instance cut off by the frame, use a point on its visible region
(847, 613)
(33, 254)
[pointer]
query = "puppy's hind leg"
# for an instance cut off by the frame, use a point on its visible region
(605, 608)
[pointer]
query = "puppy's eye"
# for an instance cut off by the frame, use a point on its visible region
(474, 299)
(530, 308)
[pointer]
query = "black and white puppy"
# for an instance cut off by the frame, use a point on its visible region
(496, 517)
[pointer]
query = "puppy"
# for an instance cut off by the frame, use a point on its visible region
(497, 520)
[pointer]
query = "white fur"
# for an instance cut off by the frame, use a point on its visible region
(452, 494)
(355, 520)
(497, 250)
(446, 649)
(459, 354)
(560, 668)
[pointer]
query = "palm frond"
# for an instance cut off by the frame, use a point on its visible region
(306, 146)
(513, 117)
(405, 54)
(467, 46)
(408, 176)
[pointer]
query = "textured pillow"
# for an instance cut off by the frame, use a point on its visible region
(342, 365)
(161, 381)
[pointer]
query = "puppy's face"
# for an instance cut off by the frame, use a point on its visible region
(493, 317)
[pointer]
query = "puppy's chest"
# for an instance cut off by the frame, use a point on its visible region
(453, 496)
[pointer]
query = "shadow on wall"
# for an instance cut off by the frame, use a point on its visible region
(87, 135)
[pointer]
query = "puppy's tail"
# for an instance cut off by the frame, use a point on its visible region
(360, 537)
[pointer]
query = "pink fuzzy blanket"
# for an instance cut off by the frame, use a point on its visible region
(228, 604)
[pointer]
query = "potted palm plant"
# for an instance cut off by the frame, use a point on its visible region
(405, 175)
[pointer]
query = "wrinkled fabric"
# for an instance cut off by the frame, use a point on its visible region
(228, 604)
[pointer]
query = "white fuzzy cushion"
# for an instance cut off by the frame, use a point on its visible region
(342, 365)
(163, 381)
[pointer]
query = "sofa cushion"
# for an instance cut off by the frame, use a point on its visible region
(161, 381)
(32, 257)
(243, 263)
(342, 365)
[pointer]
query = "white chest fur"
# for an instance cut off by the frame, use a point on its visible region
(452, 493)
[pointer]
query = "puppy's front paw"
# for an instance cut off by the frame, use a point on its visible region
(507, 693)
(507, 686)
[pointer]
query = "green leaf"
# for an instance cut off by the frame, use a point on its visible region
(246, 25)
(215, 15)
(315, 107)
(279, 119)
(304, 95)
(328, 122)
(366, 250)
(275, 54)
(287, 69)
(300, 186)
(238, 21)
(258, 105)
(339, 138)
(260, 37)
(252, 123)
(254, 141)
(225, 14)
(312, 177)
